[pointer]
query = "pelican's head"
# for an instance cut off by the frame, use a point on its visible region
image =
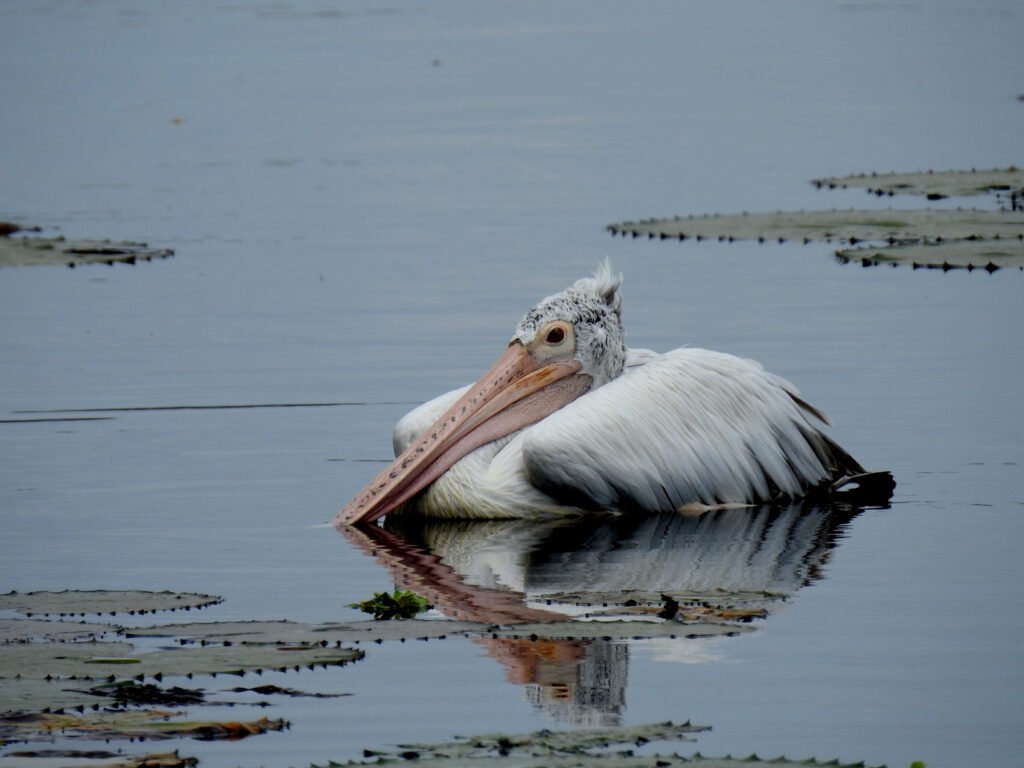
(563, 347)
(582, 323)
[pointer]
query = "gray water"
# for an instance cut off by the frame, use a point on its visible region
(363, 200)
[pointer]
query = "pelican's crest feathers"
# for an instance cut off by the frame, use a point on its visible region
(605, 284)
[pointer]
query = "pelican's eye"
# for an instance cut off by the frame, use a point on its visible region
(555, 340)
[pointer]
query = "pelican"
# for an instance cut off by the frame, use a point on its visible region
(568, 420)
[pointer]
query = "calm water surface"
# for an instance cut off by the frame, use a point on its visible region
(363, 200)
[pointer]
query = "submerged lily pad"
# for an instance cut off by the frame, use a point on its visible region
(889, 226)
(57, 251)
(77, 602)
(935, 185)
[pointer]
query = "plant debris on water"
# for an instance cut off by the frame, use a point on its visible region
(397, 605)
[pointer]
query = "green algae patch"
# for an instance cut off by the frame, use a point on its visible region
(29, 251)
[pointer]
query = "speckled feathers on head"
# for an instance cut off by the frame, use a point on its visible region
(594, 307)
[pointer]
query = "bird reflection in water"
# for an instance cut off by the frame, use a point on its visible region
(728, 570)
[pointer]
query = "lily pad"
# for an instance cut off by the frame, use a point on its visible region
(238, 632)
(57, 251)
(935, 185)
(706, 606)
(133, 724)
(62, 675)
(129, 693)
(709, 624)
(96, 660)
(76, 602)
(989, 255)
(51, 758)
(936, 238)
(887, 226)
(618, 630)
(615, 746)
(276, 690)
(27, 630)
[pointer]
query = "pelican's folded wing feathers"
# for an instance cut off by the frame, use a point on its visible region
(690, 427)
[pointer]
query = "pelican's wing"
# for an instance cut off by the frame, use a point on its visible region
(690, 427)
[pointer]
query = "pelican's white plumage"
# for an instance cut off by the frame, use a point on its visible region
(688, 429)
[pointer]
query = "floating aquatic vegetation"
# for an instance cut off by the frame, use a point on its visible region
(58, 251)
(94, 758)
(987, 254)
(615, 746)
(129, 693)
(276, 690)
(400, 604)
(616, 630)
(934, 238)
(934, 185)
(296, 633)
(50, 664)
(77, 602)
(28, 630)
(90, 680)
(66, 675)
(887, 226)
(128, 724)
